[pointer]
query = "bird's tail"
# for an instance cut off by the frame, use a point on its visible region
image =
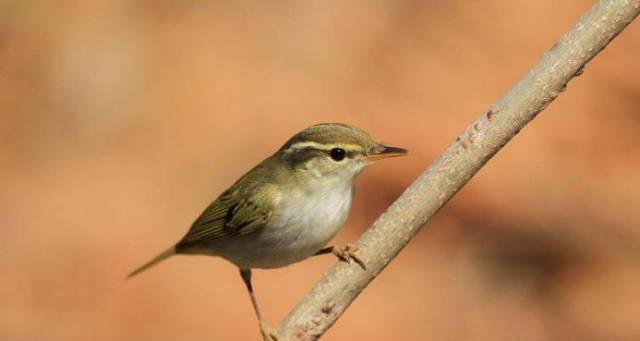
(166, 254)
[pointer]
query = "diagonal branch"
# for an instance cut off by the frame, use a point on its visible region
(331, 296)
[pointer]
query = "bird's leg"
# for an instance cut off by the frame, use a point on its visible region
(345, 253)
(267, 333)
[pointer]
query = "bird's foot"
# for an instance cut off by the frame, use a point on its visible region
(268, 333)
(349, 253)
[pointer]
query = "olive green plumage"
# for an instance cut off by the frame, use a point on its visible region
(286, 208)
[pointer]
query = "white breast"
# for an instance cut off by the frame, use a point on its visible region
(303, 222)
(314, 217)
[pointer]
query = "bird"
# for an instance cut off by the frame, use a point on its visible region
(287, 208)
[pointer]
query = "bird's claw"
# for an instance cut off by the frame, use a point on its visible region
(267, 333)
(349, 253)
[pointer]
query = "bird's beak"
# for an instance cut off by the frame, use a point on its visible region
(384, 152)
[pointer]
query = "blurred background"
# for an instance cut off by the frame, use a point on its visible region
(122, 120)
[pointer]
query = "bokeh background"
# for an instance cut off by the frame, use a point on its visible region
(121, 120)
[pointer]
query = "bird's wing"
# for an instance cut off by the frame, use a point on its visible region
(231, 214)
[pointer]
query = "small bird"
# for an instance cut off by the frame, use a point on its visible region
(287, 208)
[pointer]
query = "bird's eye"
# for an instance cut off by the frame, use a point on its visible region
(337, 154)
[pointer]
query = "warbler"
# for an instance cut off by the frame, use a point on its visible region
(287, 208)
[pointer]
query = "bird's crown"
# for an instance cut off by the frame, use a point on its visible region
(328, 136)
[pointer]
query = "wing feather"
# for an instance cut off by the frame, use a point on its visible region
(230, 215)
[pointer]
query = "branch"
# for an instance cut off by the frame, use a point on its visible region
(331, 296)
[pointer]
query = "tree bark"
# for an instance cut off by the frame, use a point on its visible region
(566, 59)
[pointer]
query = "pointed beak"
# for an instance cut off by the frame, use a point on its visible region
(385, 152)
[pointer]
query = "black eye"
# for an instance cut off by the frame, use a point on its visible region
(337, 154)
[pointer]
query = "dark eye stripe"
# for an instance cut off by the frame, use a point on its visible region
(299, 156)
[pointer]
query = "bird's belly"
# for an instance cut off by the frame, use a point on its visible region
(297, 232)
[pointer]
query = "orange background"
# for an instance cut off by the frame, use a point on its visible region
(121, 120)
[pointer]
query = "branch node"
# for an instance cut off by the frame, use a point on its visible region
(491, 113)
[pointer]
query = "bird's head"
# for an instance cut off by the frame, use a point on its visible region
(334, 151)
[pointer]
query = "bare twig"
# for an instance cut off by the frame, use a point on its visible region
(331, 296)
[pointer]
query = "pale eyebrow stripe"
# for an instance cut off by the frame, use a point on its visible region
(320, 146)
